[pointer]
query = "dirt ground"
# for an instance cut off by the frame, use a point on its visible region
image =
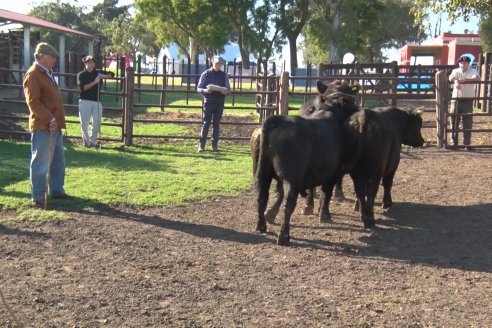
(427, 264)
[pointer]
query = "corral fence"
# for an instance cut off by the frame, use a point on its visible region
(271, 94)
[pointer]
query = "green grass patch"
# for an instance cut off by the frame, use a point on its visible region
(157, 175)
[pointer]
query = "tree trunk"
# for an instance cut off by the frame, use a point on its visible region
(194, 51)
(335, 23)
(242, 50)
(293, 54)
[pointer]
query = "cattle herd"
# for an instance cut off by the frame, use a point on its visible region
(329, 138)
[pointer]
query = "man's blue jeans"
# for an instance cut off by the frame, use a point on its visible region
(211, 113)
(40, 152)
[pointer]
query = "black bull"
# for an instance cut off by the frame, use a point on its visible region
(374, 138)
(307, 109)
(302, 153)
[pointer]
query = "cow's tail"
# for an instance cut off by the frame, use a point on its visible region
(263, 140)
(354, 134)
(255, 148)
(261, 157)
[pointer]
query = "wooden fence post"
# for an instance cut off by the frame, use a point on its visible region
(395, 69)
(442, 99)
(72, 81)
(488, 107)
(128, 108)
(485, 74)
(284, 94)
(162, 98)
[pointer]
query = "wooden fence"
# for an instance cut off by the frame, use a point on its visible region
(385, 83)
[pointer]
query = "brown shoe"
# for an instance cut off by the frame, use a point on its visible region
(62, 196)
(40, 203)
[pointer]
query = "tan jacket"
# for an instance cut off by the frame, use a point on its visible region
(43, 99)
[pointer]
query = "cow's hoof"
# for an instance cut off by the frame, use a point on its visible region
(270, 217)
(325, 218)
(387, 207)
(307, 210)
(369, 223)
(283, 240)
(261, 228)
(339, 196)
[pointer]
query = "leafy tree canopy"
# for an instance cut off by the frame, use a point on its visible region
(63, 14)
(453, 8)
(193, 25)
(461, 9)
(365, 28)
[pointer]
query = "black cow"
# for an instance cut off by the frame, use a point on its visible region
(373, 138)
(303, 152)
(307, 109)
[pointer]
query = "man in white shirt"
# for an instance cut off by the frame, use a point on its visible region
(463, 94)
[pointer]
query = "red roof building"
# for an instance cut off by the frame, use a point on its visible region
(445, 49)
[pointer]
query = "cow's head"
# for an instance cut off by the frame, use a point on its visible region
(412, 136)
(334, 96)
(336, 86)
(308, 108)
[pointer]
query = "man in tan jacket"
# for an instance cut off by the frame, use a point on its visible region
(46, 119)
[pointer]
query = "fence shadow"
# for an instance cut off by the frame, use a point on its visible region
(87, 206)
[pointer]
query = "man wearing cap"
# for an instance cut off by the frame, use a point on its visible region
(89, 81)
(463, 92)
(213, 85)
(46, 119)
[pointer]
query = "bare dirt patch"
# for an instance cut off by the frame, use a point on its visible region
(427, 264)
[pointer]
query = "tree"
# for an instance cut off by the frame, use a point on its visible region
(294, 15)
(129, 35)
(109, 11)
(454, 9)
(193, 25)
(364, 28)
(463, 9)
(62, 14)
(410, 29)
(265, 37)
(237, 11)
(75, 17)
(485, 30)
(322, 28)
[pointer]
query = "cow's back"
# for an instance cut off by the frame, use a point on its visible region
(303, 150)
(374, 137)
(371, 141)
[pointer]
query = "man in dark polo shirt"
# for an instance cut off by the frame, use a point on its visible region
(213, 85)
(89, 81)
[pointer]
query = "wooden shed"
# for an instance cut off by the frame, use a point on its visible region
(18, 43)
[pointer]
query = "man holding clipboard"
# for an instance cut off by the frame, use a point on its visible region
(214, 86)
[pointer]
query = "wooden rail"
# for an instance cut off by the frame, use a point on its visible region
(391, 84)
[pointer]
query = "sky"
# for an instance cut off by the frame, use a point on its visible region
(23, 7)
